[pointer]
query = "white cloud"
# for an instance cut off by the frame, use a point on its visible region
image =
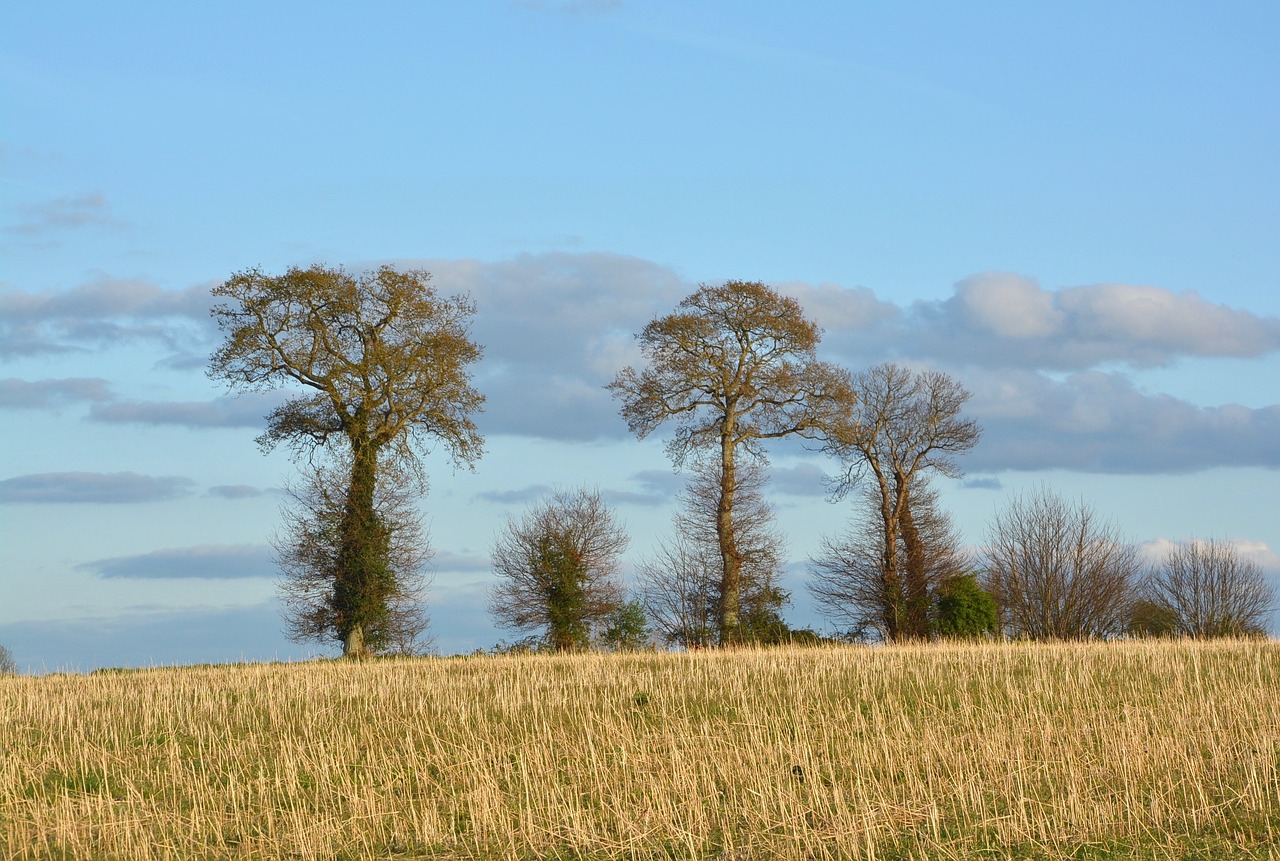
(1100, 422)
(1007, 306)
(1008, 321)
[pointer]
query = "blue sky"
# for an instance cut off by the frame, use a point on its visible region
(1072, 208)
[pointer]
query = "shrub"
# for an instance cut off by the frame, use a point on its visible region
(964, 609)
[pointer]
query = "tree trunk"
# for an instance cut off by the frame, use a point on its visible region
(353, 642)
(916, 578)
(891, 610)
(731, 578)
(356, 595)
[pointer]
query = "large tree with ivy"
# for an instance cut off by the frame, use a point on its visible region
(384, 364)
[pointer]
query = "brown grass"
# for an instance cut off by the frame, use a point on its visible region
(1150, 750)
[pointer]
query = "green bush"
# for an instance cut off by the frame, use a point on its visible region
(964, 610)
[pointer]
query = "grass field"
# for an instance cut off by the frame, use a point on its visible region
(1142, 750)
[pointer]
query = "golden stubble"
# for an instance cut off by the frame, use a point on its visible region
(916, 751)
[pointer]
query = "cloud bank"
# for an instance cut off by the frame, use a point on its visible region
(1050, 369)
(92, 488)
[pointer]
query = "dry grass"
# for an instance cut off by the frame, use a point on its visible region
(1149, 750)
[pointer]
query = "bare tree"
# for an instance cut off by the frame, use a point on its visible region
(849, 580)
(386, 361)
(1207, 590)
(309, 555)
(1058, 572)
(8, 666)
(734, 366)
(557, 569)
(906, 426)
(682, 585)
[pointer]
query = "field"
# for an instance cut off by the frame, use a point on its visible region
(1127, 750)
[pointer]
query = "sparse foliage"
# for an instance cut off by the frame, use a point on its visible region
(682, 582)
(387, 363)
(1058, 572)
(1208, 590)
(557, 569)
(8, 666)
(906, 425)
(309, 555)
(735, 365)
(852, 583)
(626, 629)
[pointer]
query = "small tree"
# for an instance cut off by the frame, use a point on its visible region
(1208, 590)
(557, 569)
(733, 366)
(1149, 619)
(8, 666)
(309, 554)
(1057, 572)
(906, 426)
(626, 628)
(855, 586)
(964, 610)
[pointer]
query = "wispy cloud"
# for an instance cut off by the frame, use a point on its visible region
(803, 479)
(75, 212)
(458, 563)
(92, 488)
(246, 410)
(530, 493)
(40, 394)
(205, 562)
(239, 491)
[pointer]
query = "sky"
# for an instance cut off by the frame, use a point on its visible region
(1073, 209)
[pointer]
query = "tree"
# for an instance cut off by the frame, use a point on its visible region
(557, 569)
(1208, 590)
(906, 426)
(964, 610)
(386, 362)
(309, 555)
(851, 584)
(1058, 572)
(1148, 619)
(681, 584)
(626, 629)
(735, 365)
(8, 666)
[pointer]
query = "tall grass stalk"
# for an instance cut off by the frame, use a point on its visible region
(946, 751)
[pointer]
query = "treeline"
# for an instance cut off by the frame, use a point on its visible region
(385, 364)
